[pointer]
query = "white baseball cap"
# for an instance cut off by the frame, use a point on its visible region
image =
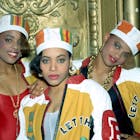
(14, 22)
(129, 34)
(53, 38)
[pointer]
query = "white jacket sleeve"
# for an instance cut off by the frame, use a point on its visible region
(105, 124)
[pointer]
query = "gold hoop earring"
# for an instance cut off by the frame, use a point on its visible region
(73, 70)
(40, 75)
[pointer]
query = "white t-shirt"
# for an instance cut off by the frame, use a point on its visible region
(49, 124)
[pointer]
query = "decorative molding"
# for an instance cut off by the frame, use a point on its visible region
(70, 14)
(94, 21)
(85, 18)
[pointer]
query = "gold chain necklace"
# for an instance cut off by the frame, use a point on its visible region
(108, 80)
(16, 104)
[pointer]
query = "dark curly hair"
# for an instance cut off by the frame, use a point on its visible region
(35, 64)
(25, 47)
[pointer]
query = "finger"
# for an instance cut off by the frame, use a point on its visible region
(125, 136)
(37, 92)
(32, 87)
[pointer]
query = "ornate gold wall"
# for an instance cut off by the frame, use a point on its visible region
(89, 20)
(70, 14)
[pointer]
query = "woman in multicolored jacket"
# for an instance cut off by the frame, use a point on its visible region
(72, 107)
(123, 85)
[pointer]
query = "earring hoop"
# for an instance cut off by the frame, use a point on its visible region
(73, 70)
(40, 75)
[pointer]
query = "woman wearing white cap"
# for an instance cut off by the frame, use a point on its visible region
(13, 86)
(123, 85)
(72, 108)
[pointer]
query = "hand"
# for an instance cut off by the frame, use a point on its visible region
(37, 88)
(134, 137)
(129, 137)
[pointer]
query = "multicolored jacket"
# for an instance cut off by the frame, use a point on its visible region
(125, 97)
(86, 107)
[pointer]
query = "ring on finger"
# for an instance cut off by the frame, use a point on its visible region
(41, 88)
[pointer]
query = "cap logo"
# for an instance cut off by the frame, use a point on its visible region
(138, 46)
(40, 38)
(125, 27)
(66, 36)
(19, 21)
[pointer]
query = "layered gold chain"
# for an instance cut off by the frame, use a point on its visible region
(108, 80)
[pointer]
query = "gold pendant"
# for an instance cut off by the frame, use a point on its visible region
(15, 113)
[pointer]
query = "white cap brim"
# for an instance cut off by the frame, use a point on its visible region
(54, 44)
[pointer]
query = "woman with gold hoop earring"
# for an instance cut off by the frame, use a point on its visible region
(70, 109)
(123, 85)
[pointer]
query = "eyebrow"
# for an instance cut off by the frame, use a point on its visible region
(61, 55)
(7, 35)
